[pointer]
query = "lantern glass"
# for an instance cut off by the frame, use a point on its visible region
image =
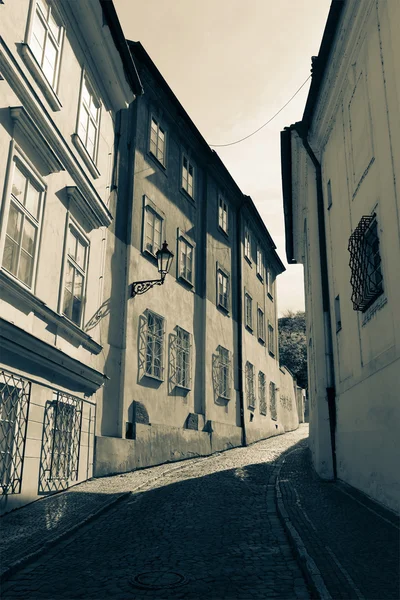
(164, 258)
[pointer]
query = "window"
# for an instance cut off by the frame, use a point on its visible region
(248, 311)
(251, 396)
(153, 228)
(223, 373)
(261, 393)
(154, 346)
(14, 405)
(270, 283)
(22, 232)
(329, 190)
(187, 176)
(222, 289)
(260, 263)
(337, 314)
(186, 256)
(247, 244)
(157, 141)
(182, 367)
(89, 119)
(260, 325)
(222, 214)
(272, 401)
(271, 339)
(75, 275)
(365, 264)
(45, 40)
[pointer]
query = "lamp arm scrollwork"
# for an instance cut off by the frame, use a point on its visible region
(140, 287)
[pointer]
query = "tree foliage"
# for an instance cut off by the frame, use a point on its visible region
(293, 345)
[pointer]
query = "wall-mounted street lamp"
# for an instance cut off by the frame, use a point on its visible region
(164, 260)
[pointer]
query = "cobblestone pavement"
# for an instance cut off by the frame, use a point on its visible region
(207, 528)
(353, 541)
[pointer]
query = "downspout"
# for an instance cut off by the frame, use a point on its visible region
(301, 129)
(240, 323)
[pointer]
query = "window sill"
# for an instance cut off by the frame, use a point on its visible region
(261, 278)
(38, 306)
(270, 296)
(248, 260)
(260, 339)
(226, 398)
(251, 407)
(158, 162)
(149, 255)
(79, 145)
(223, 309)
(150, 376)
(249, 329)
(40, 77)
(271, 353)
(187, 195)
(185, 281)
(186, 388)
(225, 233)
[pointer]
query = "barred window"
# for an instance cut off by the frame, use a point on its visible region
(223, 373)
(14, 406)
(154, 346)
(182, 368)
(272, 401)
(261, 393)
(222, 289)
(223, 214)
(260, 263)
(260, 325)
(271, 339)
(250, 387)
(187, 176)
(247, 243)
(365, 264)
(248, 311)
(157, 141)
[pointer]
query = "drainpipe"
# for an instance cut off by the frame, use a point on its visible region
(240, 322)
(330, 367)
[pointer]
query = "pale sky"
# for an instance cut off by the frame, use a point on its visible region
(233, 64)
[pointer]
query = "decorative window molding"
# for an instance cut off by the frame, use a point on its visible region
(157, 141)
(223, 373)
(271, 339)
(181, 357)
(222, 214)
(76, 260)
(153, 227)
(260, 325)
(24, 90)
(223, 289)
(250, 386)
(248, 310)
(185, 264)
(26, 128)
(188, 176)
(272, 401)
(262, 393)
(247, 244)
(15, 395)
(154, 358)
(22, 222)
(43, 48)
(89, 213)
(260, 264)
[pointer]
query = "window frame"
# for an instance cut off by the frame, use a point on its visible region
(183, 239)
(270, 283)
(224, 209)
(250, 391)
(221, 271)
(185, 156)
(80, 144)
(247, 244)
(260, 264)
(72, 224)
(186, 382)
(271, 339)
(262, 393)
(273, 405)
(225, 364)
(161, 337)
(149, 206)
(248, 302)
(260, 326)
(18, 160)
(160, 125)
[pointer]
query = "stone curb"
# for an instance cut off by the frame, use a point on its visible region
(307, 564)
(28, 558)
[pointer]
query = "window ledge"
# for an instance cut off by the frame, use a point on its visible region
(379, 303)
(38, 306)
(80, 146)
(185, 281)
(226, 398)
(260, 339)
(187, 195)
(223, 308)
(187, 388)
(150, 376)
(249, 328)
(225, 233)
(40, 77)
(271, 353)
(248, 260)
(158, 162)
(270, 296)
(260, 277)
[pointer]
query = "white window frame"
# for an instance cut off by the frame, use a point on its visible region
(28, 170)
(260, 263)
(260, 324)
(224, 277)
(185, 180)
(81, 144)
(262, 393)
(223, 214)
(184, 241)
(247, 243)
(270, 283)
(250, 385)
(271, 339)
(152, 338)
(183, 370)
(224, 373)
(150, 208)
(155, 143)
(79, 234)
(248, 310)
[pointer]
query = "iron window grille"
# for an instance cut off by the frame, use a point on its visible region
(272, 401)
(157, 141)
(182, 358)
(222, 289)
(46, 40)
(251, 395)
(154, 346)
(223, 214)
(248, 308)
(61, 438)
(271, 339)
(260, 325)
(261, 393)
(186, 252)
(223, 373)
(187, 176)
(15, 395)
(365, 264)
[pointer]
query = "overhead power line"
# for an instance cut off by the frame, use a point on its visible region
(269, 120)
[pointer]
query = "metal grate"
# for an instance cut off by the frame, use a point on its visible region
(272, 401)
(61, 442)
(14, 407)
(251, 395)
(365, 263)
(261, 393)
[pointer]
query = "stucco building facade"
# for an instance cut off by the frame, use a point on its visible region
(340, 171)
(65, 75)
